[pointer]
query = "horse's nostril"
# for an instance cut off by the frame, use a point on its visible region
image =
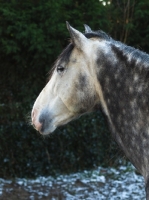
(37, 126)
(40, 121)
(44, 120)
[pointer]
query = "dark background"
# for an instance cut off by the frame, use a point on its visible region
(32, 35)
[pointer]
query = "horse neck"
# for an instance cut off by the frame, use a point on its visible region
(123, 78)
(123, 75)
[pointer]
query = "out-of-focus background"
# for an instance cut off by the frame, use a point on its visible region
(32, 35)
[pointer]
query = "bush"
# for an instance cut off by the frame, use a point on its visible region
(24, 153)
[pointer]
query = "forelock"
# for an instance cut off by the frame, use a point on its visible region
(98, 34)
(64, 56)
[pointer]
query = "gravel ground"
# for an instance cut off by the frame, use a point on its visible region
(99, 184)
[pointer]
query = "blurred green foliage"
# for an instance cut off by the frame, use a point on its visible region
(32, 34)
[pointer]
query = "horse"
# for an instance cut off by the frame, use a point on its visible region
(97, 72)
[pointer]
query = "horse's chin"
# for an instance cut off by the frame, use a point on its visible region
(48, 131)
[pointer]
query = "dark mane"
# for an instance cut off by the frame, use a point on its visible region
(133, 58)
(98, 34)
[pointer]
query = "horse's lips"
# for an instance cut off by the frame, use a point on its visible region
(48, 131)
(53, 125)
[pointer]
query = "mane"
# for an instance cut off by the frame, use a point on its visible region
(133, 58)
(126, 53)
(98, 34)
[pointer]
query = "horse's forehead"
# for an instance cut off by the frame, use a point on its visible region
(76, 54)
(86, 52)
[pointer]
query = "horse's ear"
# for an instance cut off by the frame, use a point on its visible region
(87, 29)
(77, 37)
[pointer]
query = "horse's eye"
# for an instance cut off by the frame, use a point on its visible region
(60, 69)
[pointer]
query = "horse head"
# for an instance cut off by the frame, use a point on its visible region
(72, 89)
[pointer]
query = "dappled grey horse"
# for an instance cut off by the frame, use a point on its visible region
(96, 70)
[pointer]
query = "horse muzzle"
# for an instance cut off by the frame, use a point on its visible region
(42, 122)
